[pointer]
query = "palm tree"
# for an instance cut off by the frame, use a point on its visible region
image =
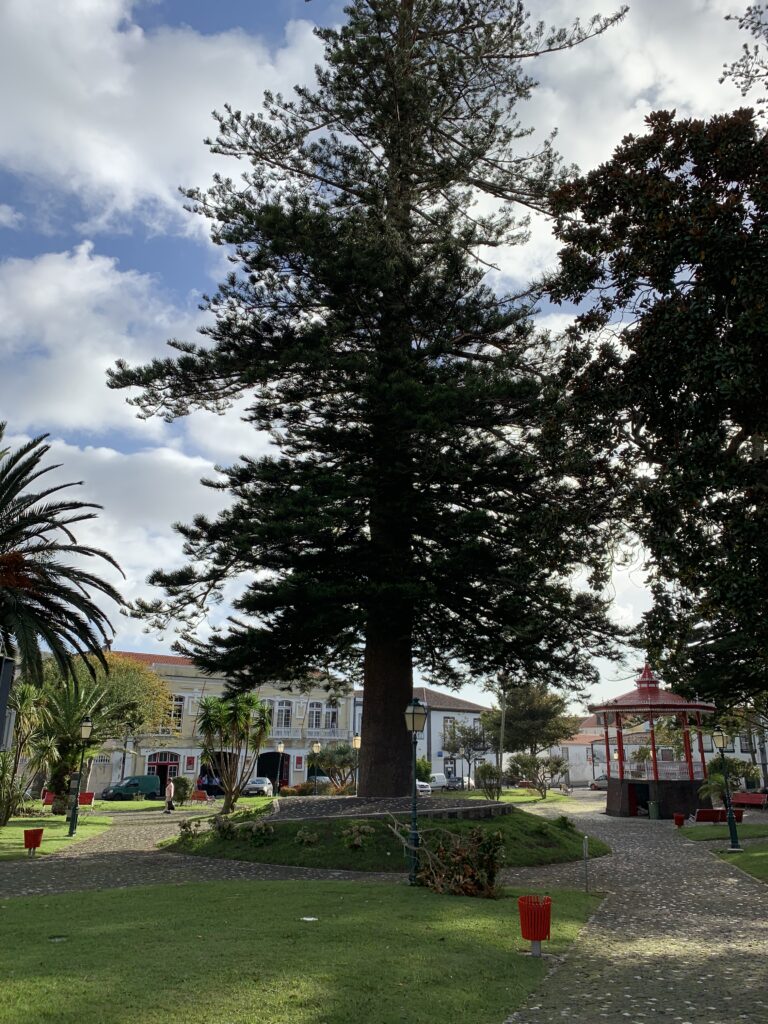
(45, 594)
(233, 730)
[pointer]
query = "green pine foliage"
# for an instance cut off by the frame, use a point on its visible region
(423, 504)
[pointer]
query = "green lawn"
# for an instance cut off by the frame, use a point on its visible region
(754, 860)
(528, 840)
(54, 837)
(239, 953)
(512, 796)
(700, 833)
(158, 806)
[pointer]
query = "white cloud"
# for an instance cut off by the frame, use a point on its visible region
(116, 115)
(9, 218)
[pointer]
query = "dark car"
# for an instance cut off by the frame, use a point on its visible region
(601, 782)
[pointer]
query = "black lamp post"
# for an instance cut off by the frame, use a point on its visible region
(86, 728)
(356, 741)
(316, 750)
(719, 739)
(280, 749)
(415, 720)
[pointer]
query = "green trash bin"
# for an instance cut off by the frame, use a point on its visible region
(653, 809)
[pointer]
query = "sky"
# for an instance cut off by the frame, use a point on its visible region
(107, 105)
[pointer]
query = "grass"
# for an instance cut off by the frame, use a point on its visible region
(147, 806)
(508, 796)
(754, 861)
(703, 833)
(239, 952)
(54, 837)
(528, 840)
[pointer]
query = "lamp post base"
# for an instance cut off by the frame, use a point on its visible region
(735, 849)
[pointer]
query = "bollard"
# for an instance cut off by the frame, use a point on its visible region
(585, 847)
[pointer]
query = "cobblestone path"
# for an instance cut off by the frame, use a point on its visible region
(682, 936)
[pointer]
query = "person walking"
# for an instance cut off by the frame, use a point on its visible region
(169, 797)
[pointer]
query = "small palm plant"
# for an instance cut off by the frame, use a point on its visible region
(233, 730)
(714, 788)
(45, 593)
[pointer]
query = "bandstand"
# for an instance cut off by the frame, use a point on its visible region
(633, 783)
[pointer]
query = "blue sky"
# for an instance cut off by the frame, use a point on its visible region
(109, 101)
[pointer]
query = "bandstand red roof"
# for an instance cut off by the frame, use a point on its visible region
(648, 695)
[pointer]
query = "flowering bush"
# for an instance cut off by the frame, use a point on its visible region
(306, 837)
(354, 836)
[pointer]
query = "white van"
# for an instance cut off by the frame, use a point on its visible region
(438, 781)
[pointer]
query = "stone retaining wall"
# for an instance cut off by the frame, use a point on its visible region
(311, 807)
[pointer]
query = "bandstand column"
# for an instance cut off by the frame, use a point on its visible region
(687, 745)
(607, 745)
(620, 744)
(701, 744)
(654, 762)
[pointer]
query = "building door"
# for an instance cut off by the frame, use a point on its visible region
(165, 764)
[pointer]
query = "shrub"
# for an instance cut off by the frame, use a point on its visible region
(423, 769)
(259, 832)
(306, 837)
(182, 787)
(490, 780)
(223, 826)
(461, 864)
(564, 823)
(354, 836)
(290, 791)
(189, 828)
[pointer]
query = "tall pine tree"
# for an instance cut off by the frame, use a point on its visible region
(423, 505)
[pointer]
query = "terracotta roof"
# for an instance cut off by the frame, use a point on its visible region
(154, 659)
(440, 701)
(648, 695)
(582, 740)
(590, 722)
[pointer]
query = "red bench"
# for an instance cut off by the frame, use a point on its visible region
(717, 815)
(48, 798)
(85, 799)
(750, 800)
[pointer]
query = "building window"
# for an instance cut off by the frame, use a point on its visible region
(103, 759)
(315, 714)
(708, 744)
(175, 712)
(331, 718)
(565, 753)
(666, 754)
(284, 709)
(746, 743)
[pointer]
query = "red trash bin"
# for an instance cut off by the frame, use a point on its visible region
(33, 837)
(679, 819)
(535, 919)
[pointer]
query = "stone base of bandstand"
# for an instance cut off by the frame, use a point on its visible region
(626, 796)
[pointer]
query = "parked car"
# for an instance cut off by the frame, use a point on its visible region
(438, 781)
(526, 784)
(147, 786)
(258, 786)
(600, 782)
(423, 788)
(322, 780)
(455, 782)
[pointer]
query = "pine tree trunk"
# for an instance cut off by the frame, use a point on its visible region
(385, 752)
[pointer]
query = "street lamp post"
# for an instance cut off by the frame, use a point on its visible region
(316, 750)
(719, 739)
(280, 749)
(86, 728)
(415, 720)
(461, 758)
(356, 747)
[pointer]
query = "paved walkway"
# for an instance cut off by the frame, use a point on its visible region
(682, 937)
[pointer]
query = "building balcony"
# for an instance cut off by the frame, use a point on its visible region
(329, 734)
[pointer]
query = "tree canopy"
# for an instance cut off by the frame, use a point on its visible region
(47, 597)
(667, 244)
(423, 503)
(536, 719)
